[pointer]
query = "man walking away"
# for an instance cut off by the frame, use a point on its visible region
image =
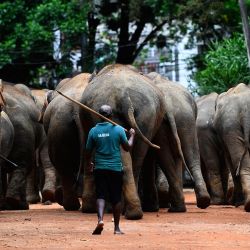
(106, 139)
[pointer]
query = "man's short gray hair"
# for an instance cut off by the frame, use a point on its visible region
(105, 110)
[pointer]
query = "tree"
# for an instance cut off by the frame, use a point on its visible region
(210, 21)
(203, 21)
(245, 24)
(128, 19)
(27, 37)
(29, 30)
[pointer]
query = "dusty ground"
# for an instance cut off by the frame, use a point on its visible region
(51, 227)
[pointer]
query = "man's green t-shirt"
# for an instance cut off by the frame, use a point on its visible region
(106, 139)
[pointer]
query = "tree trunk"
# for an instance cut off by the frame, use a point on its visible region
(246, 30)
(124, 48)
(88, 44)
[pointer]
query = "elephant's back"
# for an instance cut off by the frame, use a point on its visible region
(60, 107)
(179, 99)
(121, 80)
(19, 103)
(75, 86)
(39, 96)
(123, 88)
(227, 114)
(57, 114)
(206, 110)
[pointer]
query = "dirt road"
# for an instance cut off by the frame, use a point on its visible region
(50, 227)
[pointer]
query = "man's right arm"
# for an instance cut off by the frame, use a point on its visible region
(128, 145)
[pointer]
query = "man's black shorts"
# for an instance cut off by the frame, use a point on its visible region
(108, 185)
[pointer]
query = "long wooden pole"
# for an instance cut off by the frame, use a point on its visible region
(96, 113)
(10, 162)
(89, 109)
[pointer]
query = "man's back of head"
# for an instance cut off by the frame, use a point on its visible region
(106, 111)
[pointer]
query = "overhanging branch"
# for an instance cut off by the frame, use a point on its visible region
(150, 36)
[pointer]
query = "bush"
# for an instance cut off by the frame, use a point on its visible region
(226, 65)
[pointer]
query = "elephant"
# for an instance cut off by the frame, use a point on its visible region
(23, 114)
(65, 135)
(6, 142)
(213, 163)
(181, 111)
(232, 124)
(136, 103)
(43, 176)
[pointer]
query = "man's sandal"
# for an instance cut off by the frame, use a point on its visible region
(99, 228)
(118, 232)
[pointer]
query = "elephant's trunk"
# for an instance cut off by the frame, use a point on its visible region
(133, 124)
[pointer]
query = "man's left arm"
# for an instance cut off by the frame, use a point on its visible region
(90, 164)
(89, 153)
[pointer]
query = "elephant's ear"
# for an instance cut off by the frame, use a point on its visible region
(47, 99)
(49, 96)
(2, 101)
(1, 85)
(93, 75)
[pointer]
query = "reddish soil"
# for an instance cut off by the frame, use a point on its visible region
(50, 227)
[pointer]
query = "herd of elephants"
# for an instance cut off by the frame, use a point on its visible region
(44, 133)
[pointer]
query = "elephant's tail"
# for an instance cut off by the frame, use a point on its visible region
(170, 117)
(133, 124)
(240, 162)
(47, 100)
(81, 137)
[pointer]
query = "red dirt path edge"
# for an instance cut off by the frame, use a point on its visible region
(50, 227)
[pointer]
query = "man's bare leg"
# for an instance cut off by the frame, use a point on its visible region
(117, 214)
(100, 204)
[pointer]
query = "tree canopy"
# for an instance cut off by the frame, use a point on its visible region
(38, 38)
(27, 36)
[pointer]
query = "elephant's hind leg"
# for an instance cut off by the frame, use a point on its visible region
(245, 179)
(70, 200)
(16, 192)
(173, 171)
(150, 202)
(133, 210)
(32, 190)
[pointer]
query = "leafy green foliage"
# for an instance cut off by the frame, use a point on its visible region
(211, 19)
(28, 34)
(28, 31)
(226, 65)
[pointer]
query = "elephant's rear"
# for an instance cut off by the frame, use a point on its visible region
(232, 124)
(65, 138)
(23, 114)
(135, 103)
